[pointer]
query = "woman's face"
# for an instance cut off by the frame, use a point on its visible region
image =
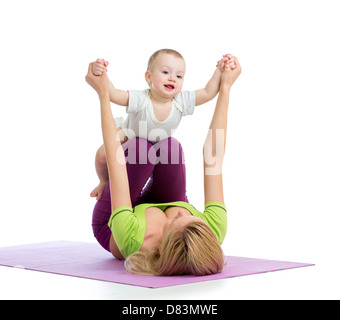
(180, 219)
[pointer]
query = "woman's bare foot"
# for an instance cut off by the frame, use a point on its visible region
(98, 191)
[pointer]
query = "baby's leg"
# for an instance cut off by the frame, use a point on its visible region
(138, 165)
(101, 166)
(102, 172)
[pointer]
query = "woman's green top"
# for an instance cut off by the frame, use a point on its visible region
(128, 224)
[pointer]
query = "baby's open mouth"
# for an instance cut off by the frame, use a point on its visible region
(169, 86)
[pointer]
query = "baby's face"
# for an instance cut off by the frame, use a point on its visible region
(166, 75)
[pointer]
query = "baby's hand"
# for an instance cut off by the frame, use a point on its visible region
(229, 75)
(99, 67)
(227, 62)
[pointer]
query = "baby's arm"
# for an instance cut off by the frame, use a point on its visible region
(117, 96)
(212, 87)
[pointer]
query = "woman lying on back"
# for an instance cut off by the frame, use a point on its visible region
(172, 237)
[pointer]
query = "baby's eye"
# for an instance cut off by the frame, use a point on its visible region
(179, 77)
(165, 72)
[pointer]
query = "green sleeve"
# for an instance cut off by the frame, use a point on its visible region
(215, 214)
(124, 226)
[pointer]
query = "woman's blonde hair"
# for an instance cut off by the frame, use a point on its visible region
(194, 251)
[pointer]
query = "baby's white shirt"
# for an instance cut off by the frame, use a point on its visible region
(141, 120)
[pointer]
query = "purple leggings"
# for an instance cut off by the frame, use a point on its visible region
(156, 174)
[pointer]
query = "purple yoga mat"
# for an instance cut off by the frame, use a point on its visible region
(89, 260)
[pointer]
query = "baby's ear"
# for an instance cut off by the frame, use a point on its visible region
(148, 77)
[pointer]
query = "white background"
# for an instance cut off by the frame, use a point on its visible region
(281, 172)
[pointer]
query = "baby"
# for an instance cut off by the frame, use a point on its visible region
(155, 113)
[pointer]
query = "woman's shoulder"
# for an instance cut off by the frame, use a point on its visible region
(215, 215)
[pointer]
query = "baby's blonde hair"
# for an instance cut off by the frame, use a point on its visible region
(194, 251)
(167, 51)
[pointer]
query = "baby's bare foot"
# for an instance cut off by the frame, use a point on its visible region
(98, 191)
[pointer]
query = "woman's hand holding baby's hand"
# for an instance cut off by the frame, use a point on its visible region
(231, 72)
(227, 62)
(99, 66)
(98, 83)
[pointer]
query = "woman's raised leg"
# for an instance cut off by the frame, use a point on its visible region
(168, 182)
(139, 169)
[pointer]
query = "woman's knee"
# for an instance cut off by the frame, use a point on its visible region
(137, 151)
(170, 151)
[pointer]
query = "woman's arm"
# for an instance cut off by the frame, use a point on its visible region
(119, 183)
(214, 146)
